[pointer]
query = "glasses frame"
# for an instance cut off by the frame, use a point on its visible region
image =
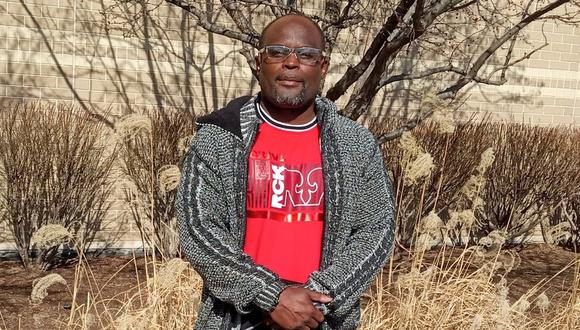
(292, 51)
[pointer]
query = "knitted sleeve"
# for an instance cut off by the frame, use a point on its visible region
(229, 275)
(369, 244)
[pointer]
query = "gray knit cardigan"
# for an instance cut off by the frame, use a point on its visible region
(211, 211)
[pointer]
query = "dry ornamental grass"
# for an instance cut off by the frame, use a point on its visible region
(465, 289)
(40, 287)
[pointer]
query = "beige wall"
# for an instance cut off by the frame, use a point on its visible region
(59, 50)
(544, 89)
(51, 48)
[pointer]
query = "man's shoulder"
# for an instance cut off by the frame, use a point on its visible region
(227, 118)
(352, 131)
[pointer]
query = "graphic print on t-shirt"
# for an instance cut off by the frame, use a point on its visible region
(279, 186)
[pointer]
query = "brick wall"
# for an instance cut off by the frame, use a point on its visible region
(60, 50)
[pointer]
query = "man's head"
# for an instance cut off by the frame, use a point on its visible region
(292, 81)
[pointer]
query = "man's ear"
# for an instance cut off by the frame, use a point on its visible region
(257, 58)
(324, 66)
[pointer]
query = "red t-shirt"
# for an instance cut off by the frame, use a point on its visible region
(285, 199)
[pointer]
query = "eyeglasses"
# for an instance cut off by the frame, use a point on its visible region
(305, 55)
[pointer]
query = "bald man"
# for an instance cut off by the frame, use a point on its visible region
(284, 206)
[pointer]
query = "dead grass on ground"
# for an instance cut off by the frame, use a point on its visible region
(449, 289)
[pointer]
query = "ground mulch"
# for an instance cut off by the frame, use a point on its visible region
(116, 275)
(110, 277)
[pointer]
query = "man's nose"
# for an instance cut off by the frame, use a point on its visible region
(292, 61)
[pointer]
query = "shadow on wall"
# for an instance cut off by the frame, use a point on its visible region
(404, 99)
(99, 56)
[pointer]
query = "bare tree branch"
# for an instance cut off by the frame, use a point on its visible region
(409, 125)
(463, 6)
(419, 10)
(241, 21)
(278, 8)
(331, 14)
(248, 54)
(360, 102)
(341, 23)
(420, 75)
(512, 45)
(527, 56)
(428, 26)
(352, 74)
(251, 39)
(452, 90)
(347, 19)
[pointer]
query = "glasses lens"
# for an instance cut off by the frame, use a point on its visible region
(277, 53)
(308, 55)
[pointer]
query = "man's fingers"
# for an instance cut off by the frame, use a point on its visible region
(312, 324)
(317, 296)
(317, 315)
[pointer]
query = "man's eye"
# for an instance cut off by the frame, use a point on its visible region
(307, 55)
(277, 52)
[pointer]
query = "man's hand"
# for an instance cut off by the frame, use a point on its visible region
(295, 309)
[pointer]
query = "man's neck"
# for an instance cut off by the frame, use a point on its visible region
(296, 116)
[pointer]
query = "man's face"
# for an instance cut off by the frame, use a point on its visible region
(290, 84)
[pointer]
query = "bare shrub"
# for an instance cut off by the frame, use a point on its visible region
(528, 178)
(56, 168)
(455, 155)
(486, 177)
(153, 146)
(565, 218)
(563, 223)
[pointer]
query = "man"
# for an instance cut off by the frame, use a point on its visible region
(284, 206)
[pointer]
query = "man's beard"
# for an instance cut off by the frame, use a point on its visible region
(289, 100)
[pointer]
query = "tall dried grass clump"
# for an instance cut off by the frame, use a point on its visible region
(153, 146)
(173, 297)
(419, 169)
(41, 285)
(56, 170)
(133, 125)
(563, 225)
(168, 298)
(168, 178)
(49, 236)
(429, 232)
(463, 292)
(442, 115)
